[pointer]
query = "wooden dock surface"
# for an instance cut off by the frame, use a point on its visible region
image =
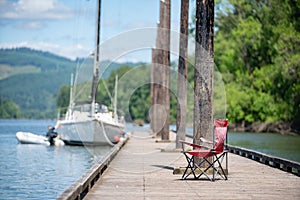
(142, 171)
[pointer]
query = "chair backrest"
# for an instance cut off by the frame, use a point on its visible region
(220, 131)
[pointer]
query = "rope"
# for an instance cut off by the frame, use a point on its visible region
(106, 137)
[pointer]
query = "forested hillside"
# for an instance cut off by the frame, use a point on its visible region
(28, 57)
(30, 79)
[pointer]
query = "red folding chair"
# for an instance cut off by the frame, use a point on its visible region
(210, 158)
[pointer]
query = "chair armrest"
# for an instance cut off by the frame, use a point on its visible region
(192, 144)
(205, 141)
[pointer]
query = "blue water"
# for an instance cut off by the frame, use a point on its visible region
(283, 146)
(31, 171)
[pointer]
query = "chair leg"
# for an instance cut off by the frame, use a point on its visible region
(215, 169)
(203, 172)
(191, 166)
(217, 160)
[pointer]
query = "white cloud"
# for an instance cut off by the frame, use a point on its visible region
(32, 6)
(34, 9)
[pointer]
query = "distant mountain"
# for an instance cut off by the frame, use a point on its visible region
(32, 78)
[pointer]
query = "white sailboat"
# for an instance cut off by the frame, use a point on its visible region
(87, 122)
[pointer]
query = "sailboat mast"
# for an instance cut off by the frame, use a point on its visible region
(115, 98)
(71, 97)
(96, 60)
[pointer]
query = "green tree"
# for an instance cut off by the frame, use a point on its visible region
(8, 109)
(63, 98)
(257, 49)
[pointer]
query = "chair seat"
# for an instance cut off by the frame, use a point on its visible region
(200, 153)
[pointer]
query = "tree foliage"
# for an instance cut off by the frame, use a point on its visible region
(257, 48)
(133, 96)
(8, 109)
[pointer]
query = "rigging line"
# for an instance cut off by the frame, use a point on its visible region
(77, 30)
(108, 92)
(79, 92)
(76, 24)
(119, 12)
(80, 25)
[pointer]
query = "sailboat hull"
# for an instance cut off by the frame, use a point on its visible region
(89, 132)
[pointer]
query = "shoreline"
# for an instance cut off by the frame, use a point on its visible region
(284, 128)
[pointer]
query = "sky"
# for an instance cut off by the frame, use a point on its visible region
(67, 27)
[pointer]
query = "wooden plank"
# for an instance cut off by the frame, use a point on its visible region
(142, 171)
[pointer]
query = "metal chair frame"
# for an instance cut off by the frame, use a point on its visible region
(217, 159)
(192, 165)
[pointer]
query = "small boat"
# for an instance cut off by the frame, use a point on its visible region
(30, 138)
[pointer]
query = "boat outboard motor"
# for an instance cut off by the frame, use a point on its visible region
(51, 134)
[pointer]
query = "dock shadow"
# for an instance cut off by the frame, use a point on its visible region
(164, 167)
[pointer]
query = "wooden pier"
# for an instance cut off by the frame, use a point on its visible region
(143, 169)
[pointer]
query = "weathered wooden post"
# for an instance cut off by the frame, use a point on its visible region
(152, 92)
(156, 82)
(204, 66)
(161, 74)
(166, 65)
(182, 73)
(156, 77)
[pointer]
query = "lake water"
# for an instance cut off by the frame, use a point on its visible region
(31, 171)
(283, 146)
(41, 172)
